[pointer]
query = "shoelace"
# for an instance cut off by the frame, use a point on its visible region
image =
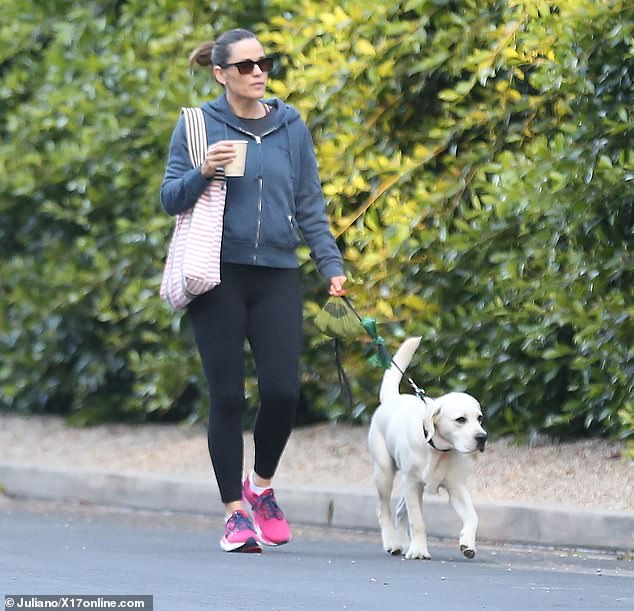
(267, 505)
(239, 521)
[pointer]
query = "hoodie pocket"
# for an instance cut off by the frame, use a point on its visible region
(279, 228)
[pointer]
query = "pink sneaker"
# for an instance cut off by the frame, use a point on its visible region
(270, 524)
(239, 534)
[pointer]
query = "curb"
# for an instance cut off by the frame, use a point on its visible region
(499, 523)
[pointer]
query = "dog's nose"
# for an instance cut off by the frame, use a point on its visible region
(481, 440)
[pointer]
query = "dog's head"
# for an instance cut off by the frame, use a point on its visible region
(454, 421)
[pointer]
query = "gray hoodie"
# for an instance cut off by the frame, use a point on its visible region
(278, 199)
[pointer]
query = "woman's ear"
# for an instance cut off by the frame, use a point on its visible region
(219, 74)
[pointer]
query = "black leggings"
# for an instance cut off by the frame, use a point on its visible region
(264, 306)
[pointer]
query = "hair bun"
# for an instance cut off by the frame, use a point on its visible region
(201, 55)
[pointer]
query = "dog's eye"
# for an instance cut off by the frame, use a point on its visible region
(461, 420)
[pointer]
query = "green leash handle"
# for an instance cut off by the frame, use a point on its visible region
(382, 358)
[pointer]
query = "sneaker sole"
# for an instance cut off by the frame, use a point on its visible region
(270, 543)
(250, 546)
(262, 539)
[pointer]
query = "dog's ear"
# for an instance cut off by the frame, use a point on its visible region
(429, 421)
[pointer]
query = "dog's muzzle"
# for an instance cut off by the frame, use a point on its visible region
(481, 440)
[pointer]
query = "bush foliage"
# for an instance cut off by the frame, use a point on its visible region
(478, 166)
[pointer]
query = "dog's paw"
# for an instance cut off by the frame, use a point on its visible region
(469, 552)
(415, 553)
(393, 548)
(392, 544)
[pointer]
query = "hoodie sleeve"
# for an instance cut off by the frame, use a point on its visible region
(182, 185)
(311, 210)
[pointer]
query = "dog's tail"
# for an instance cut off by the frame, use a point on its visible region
(392, 377)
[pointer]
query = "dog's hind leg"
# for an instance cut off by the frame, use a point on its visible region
(401, 522)
(389, 535)
(384, 472)
(460, 499)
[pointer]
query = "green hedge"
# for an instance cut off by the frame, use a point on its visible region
(478, 165)
(479, 157)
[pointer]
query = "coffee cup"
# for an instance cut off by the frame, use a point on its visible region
(237, 166)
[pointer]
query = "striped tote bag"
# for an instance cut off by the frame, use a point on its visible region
(192, 266)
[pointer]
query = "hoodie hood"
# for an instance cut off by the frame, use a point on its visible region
(220, 110)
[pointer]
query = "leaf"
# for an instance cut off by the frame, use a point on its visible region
(449, 95)
(364, 47)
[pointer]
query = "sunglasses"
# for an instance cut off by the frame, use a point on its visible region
(246, 67)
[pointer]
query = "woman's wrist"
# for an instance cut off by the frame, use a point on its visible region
(207, 171)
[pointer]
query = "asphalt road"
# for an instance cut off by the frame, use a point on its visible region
(55, 548)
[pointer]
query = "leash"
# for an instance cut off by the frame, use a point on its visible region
(383, 358)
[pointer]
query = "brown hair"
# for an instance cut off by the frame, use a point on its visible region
(217, 53)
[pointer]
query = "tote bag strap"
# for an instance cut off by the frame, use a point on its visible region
(196, 131)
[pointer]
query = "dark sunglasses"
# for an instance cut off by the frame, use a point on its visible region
(246, 67)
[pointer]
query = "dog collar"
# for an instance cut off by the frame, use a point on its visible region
(431, 442)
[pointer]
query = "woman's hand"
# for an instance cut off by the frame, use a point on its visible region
(336, 286)
(218, 154)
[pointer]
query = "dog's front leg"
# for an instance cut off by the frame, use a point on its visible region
(418, 531)
(460, 499)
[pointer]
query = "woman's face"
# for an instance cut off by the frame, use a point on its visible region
(249, 86)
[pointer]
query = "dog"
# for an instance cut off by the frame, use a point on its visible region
(427, 441)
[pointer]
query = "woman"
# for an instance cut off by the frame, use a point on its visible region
(259, 298)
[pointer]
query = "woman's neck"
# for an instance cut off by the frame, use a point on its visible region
(247, 108)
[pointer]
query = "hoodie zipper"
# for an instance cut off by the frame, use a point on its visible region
(258, 141)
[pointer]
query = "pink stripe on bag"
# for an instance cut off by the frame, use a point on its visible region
(192, 266)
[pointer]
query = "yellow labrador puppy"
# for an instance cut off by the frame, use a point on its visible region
(427, 441)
